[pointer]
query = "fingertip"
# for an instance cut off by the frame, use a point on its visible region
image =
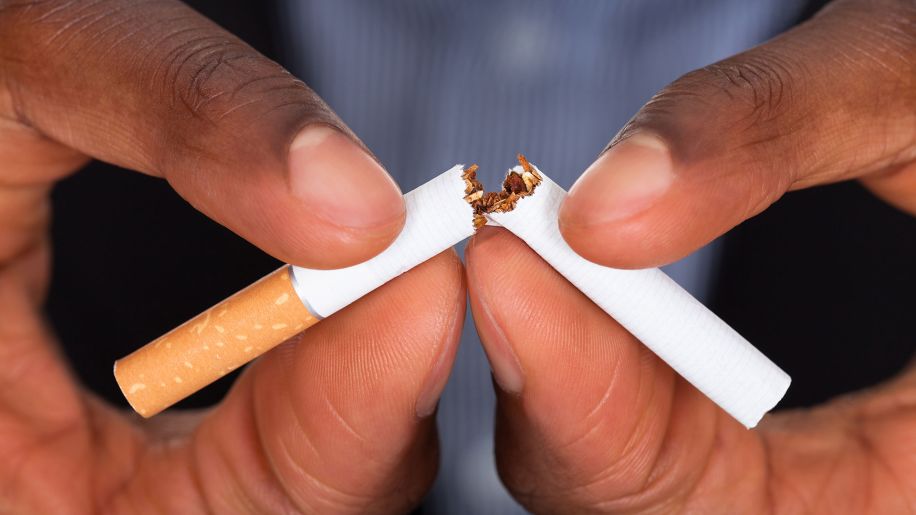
(440, 367)
(357, 209)
(340, 182)
(287, 203)
(608, 215)
(626, 246)
(490, 245)
(319, 244)
(482, 238)
(493, 256)
(628, 179)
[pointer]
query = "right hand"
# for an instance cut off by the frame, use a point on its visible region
(339, 421)
(588, 419)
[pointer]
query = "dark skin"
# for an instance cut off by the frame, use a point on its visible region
(588, 419)
(339, 420)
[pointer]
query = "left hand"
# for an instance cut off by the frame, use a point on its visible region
(589, 420)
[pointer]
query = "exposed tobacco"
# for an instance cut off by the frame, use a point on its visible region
(516, 186)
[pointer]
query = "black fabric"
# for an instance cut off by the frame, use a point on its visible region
(823, 283)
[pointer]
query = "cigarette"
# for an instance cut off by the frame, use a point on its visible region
(287, 302)
(663, 316)
(690, 338)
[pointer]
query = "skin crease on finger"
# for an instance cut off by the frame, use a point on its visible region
(601, 425)
(229, 129)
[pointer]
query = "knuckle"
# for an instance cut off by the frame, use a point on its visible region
(750, 95)
(762, 84)
(212, 77)
(777, 106)
(745, 104)
(221, 91)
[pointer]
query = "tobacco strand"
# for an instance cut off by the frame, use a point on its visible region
(516, 186)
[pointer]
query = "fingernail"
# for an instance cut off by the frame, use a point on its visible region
(626, 180)
(507, 371)
(340, 182)
(428, 399)
(435, 382)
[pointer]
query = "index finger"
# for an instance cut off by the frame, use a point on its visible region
(156, 87)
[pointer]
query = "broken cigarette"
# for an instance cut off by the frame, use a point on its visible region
(286, 302)
(446, 210)
(690, 338)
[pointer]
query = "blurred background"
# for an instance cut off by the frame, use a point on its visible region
(822, 282)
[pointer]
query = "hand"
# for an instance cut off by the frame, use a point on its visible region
(337, 422)
(588, 419)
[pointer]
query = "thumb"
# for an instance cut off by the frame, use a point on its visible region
(833, 99)
(155, 87)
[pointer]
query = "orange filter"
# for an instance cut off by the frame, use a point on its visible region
(212, 344)
(287, 302)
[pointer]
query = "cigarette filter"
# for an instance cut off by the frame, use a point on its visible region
(286, 302)
(678, 328)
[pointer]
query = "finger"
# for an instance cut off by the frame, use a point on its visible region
(29, 163)
(40, 411)
(155, 87)
(897, 186)
(588, 419)
(340, 421)
(833, 99)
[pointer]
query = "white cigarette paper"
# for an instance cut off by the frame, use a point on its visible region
(437, 218)
(674, 325)
(696, 343)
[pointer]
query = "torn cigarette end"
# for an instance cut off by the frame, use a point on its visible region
(690, 338)
(517, 185)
